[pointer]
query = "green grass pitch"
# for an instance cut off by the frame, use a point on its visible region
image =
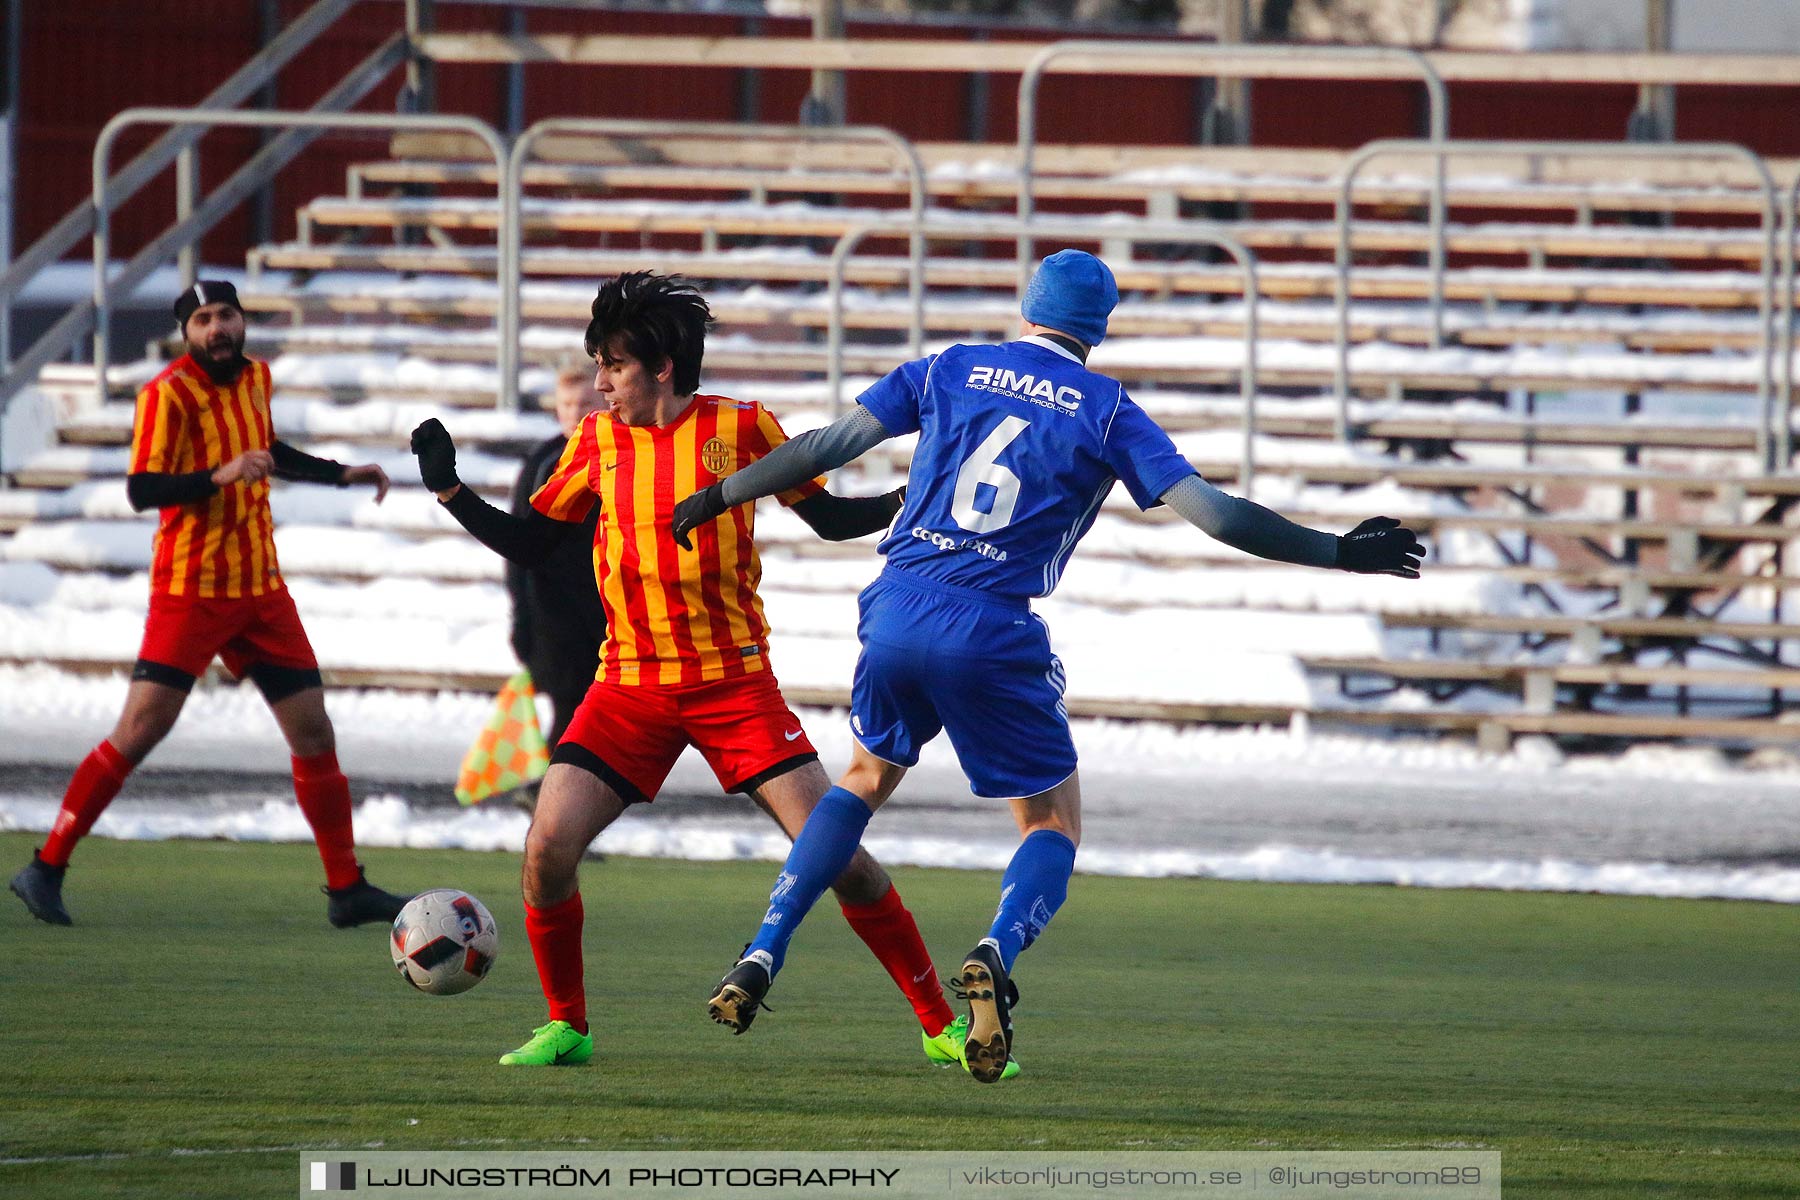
(1607, 1046)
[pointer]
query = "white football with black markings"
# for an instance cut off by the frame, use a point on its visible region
(444, 942)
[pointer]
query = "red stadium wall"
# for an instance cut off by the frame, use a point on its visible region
(84, 60)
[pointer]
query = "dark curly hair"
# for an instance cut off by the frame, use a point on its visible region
(662, 318)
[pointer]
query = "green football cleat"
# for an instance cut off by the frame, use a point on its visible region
(945, 1050)
(553, 1045)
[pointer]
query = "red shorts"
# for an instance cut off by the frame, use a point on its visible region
(188, 632)
(631, 735)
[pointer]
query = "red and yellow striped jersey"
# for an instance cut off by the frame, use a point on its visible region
(672, 615)
(223, 546)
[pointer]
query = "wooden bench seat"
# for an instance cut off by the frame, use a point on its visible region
(1734, 247)
(1138, 364)
(1514, 676)
(1645, 176)
(1456, 477)
(1210, 416)
(1625, 628)
(1158, 191)
(1288, 281)
(811, 697)
(1682, 541)
(1554, 526)
(113, 428)
(1000, 318)
(1434, 430)
(1493, 729)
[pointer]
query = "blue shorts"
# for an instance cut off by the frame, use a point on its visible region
(978, 667)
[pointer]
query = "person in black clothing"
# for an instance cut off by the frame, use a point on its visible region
(557, 621)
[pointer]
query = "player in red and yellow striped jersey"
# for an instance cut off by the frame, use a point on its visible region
(683, 618)
(203, 448)
(686, 658)
(220, 545)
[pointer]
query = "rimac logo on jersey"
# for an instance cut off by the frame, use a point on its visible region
(1041, 392)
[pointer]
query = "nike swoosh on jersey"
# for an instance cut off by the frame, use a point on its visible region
(792, 736)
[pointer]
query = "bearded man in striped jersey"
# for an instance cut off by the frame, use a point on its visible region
(202, 450)
(686, 657)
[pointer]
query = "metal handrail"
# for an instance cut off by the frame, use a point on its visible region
(509, 299)
(1266, 61)
(902, 147)
(244, 83)
(1784, 343)
(1441, 151)
(78, 320)
(1192, 232)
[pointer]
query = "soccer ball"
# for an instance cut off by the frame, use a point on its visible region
(444, 942)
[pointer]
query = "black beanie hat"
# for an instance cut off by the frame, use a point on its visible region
(206, 291)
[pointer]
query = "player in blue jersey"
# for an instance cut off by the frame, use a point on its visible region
(1018, 445)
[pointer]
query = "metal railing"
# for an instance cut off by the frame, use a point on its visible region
(79, 221)
(1189, 232)
(1771, 445)
(224, 200)
(1784, 343)
(1291, 62)
(178, 146)
(902, 147)
(67, 331)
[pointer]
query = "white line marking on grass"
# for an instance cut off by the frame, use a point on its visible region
(296, 1148)
(183, 1152)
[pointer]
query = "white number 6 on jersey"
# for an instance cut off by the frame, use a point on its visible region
(981, 467)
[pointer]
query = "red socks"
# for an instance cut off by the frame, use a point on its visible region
(888, 930)
(96, 781)
(324, 796)
(321, 788)
(555, 934)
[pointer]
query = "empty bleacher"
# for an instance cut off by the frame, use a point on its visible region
(1608, 562)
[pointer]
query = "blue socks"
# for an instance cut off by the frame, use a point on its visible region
(1034, 887)
(824, 848)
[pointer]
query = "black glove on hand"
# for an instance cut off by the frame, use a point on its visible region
(697, 510)
(1380, 546)
(436, 453)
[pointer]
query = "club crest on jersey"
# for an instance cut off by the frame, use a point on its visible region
(715, 456)
(1042, 392)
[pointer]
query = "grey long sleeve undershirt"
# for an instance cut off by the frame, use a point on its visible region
(811, 454)
(1249, 526)
(1244, 524)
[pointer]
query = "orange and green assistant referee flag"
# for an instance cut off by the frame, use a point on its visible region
(510, 751)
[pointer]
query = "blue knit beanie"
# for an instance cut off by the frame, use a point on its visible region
(1073, 292)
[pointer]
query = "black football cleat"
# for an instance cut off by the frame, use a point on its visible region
(983, 982)
(361, 903)
(739, 995)
(39, 885)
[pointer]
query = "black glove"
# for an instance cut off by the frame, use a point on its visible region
(699, 508)
(1380, 546)
(436, 453)
(521, 639)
